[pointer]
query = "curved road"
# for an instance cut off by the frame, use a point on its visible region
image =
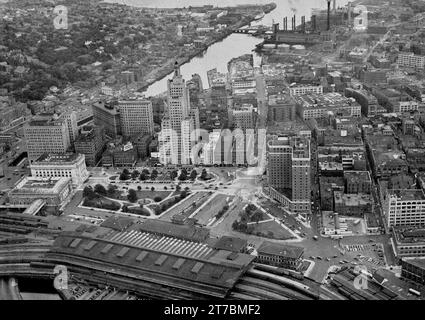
(9, 290)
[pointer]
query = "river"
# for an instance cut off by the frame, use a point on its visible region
(235, 45)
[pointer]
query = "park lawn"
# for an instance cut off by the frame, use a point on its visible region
(142, 194)
(102, 203)
(272, 226)
(148, 194)
(263, 216)
(139, 211)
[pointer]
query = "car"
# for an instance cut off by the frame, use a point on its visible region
(319, 257)
(335, 256)
(327, 259)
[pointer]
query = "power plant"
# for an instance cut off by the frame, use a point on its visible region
(317, 31)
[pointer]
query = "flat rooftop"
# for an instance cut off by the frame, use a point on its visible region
(408, 194)
(357, 176)
(63, 157)
(287, 251)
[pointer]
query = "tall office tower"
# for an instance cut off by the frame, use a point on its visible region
(106, 115)
(289, 171)
(136, 117)
(91, 143)
(243, 117)
(194, 115)
(177, 125)
(46, 133)
(71, 120)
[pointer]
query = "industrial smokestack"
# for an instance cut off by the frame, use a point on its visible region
(334, 6)
(294, 23)
(303, 24)
(349, 13)
(329, 15)
(285, 23)
(313, 22)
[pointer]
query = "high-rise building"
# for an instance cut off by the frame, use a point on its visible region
(107, 115)
(136, 117)
(289, 172)
(177, 126)
(71, 120)
(404, 207)
(90, 142)
(46, 133)
(243, 117)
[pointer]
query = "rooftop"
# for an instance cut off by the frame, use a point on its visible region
(230, 244)
(357, 176)
(407, 194)
(40, 185)
(286, 251)
(62, 158)
(418, 262)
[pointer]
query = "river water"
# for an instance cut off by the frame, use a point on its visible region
(235, 45)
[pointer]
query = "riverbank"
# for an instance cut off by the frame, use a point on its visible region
(164, 71)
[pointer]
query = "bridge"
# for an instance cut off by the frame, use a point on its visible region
(257, 31)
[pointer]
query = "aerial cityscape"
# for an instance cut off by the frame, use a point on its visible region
(211, 149)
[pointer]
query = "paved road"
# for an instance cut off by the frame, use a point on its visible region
(8, 290)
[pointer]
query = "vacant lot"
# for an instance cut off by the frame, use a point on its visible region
(271, 229)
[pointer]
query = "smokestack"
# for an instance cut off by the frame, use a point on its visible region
(285, 23)
(329, 15)
(334, 6)
(294, 22)
(313, 22)
(349, 13)
(303, 24)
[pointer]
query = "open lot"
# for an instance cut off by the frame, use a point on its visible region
(271, 229)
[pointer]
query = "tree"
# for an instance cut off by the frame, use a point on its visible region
(154, 174)
(145, 171)
(89, 193)
(153, 189)
(139, 188)
(257, 216)
(124, 208)
(183, 194)
(132, 195)
(135, 174)
(143, 176)
(165, 188)
(183, 175)
(193, 175)
(123, 176)
(187, 189)
(178, 187)
(112, 188)
(204, 174)
(157, 199)
(125, 171)
(100, 189)
(173, 174)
